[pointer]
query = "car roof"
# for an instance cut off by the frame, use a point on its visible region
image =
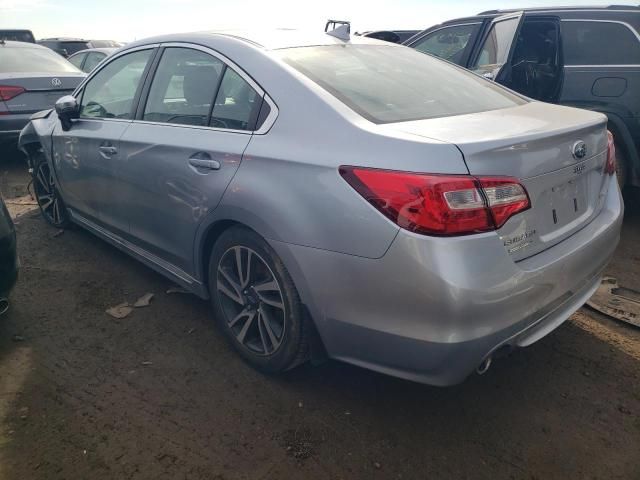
(273, 39)
(106, 50)
(13, 44)
(553, 9)
(62, 39)
(491, 14)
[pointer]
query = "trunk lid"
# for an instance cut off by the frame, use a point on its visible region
(537, 144)
(42, 90)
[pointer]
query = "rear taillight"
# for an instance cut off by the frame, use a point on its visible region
(610, 166)
(441, 205)
(7, 92)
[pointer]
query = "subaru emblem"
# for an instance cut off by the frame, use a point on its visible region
(56, 82)
(579, 150)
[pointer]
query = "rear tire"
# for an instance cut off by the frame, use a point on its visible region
(49, 200)
(256, 303)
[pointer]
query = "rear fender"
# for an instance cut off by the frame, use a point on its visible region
(226, 215)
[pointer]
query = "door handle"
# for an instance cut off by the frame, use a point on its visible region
(204, 164)
(107, 151)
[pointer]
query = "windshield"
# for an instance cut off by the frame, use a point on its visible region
(33, 60)
(388, 84)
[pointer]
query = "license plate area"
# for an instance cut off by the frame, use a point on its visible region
(568, 201)
(562, 202)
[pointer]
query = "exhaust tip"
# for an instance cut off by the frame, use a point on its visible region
(484, 366)
(4, 305)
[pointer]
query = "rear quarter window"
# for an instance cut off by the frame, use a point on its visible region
(388, 84)
(591, 42)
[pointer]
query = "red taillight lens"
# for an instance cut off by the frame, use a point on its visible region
(610, 166)
(505, 197)
(7, 92)
(439, 204)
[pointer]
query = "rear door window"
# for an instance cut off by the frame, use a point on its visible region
(599, 43)
(183, 88)
(449, 43)
(237, 103)
(110, 93)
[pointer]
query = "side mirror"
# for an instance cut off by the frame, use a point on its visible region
(67, 109)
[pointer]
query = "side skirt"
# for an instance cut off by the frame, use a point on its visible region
(166, 269)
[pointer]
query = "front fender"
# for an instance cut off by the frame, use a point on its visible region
(38, 133)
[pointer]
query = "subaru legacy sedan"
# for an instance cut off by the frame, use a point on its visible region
(334, 196)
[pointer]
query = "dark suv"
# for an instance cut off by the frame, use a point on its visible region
(65, 46)
(587, 57)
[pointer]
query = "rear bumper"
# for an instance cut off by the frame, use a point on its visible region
(11, 126)
(432, 309)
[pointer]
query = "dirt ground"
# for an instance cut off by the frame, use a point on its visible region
(159, 395)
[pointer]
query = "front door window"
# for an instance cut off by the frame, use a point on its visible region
(495, 49)
(111, 92)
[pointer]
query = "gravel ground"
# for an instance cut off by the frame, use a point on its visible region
(159, 395)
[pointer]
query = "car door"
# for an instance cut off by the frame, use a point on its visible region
(597, 73)
(492, 55)
(85, 156)
(450, 42)
(184, 147)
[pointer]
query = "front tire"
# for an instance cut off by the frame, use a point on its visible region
(49, 200)
(256, 303)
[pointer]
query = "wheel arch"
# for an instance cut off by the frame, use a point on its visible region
(29, 142)
(224, 219)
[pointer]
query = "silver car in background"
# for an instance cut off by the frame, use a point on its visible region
(87, 60)
(32, 78)
(348, 197)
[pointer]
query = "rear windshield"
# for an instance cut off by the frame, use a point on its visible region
(388, 84)
(33, 60)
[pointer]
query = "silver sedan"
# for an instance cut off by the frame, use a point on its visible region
(335, 196)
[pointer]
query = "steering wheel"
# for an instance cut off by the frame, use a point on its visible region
(217, 123)
(531, 76)
(99, 109)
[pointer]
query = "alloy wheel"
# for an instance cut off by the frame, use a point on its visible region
(47, 195)
(252, 300)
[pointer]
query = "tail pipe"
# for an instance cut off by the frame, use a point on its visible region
(4, 305)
